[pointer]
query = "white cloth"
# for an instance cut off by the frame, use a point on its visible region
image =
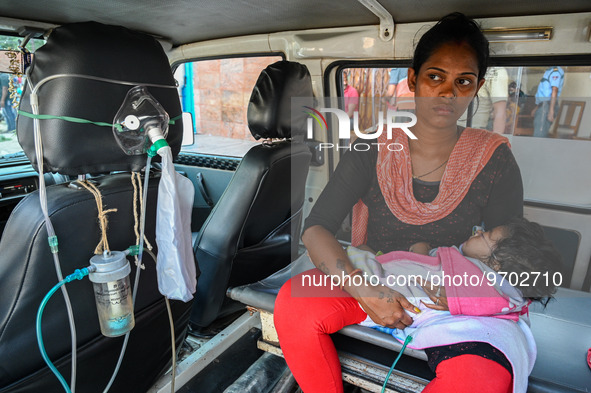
(432, 328)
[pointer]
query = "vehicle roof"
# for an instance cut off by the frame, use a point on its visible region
(185, 21)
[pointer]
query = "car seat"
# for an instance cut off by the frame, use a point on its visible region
(27, 270)
(248, 235)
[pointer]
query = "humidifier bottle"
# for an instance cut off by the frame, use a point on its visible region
(112, 292)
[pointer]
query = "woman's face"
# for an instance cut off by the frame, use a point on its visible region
(449, 78)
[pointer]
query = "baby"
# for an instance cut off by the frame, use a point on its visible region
(478, 292)
(519, 251)
(516, 253)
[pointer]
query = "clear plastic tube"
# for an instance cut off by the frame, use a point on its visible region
(137, 270)
(51, 235)
(96, 78)
(172, 334)
(48, 224)
(142, 222)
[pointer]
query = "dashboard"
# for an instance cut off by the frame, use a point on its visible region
(17, 179)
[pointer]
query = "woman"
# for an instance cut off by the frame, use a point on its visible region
(435, 190)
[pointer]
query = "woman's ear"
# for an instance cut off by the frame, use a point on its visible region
(412, 79)
(480, 84)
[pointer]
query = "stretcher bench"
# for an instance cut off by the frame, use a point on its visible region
(562, 331)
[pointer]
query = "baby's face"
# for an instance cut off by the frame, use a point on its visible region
(481, 244)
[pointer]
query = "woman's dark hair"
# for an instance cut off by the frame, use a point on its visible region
(453, 28)
(525, 255)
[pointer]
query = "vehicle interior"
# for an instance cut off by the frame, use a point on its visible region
(239, 74)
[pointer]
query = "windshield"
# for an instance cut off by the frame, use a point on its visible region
(12, 86)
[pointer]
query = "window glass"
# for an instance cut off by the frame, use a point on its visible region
(369, 92)
(513, 100)
(11, 85)
(217, 92)
(545, 111)
(549, 102)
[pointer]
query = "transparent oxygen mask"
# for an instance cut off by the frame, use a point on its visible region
(139, 113)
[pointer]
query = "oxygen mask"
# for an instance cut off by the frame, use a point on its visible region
(138, 119)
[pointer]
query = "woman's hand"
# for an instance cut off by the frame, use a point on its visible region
(384, 306)
(365, 247)
(420, 248)
(437, 295)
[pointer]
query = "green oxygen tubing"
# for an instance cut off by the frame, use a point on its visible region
(52, 238)
(79, 274)
(408, 340)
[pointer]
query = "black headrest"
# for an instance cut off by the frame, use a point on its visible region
(269, 109)
(103, 51)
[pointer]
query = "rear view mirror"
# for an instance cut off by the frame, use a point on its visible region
(14, 61)
(188, 130)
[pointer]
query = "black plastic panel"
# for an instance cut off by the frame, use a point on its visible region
(215, 162)
(567, 243)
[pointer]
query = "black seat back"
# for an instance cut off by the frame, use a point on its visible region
(27, 271)
(249, 233)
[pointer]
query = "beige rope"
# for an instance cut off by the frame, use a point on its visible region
(136, 221)
(137, 189)
(135, 176)
(102, 216)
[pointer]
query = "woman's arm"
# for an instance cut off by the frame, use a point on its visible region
(383, 305)
(350, 181)
(365, 247)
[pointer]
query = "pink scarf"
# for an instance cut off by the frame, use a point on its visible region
(394, 170)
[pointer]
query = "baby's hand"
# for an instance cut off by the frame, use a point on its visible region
(365, 247)
(420, 248)
(437, 295)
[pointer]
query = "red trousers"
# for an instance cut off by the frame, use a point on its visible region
(305, 315)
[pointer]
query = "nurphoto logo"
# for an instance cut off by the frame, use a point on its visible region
(393, 119)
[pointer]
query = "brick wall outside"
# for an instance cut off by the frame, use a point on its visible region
(222, 91)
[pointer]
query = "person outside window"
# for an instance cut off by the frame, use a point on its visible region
(547, 95)
(8, 111)
(492, 101)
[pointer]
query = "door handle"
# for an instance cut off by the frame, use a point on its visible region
(203, 191)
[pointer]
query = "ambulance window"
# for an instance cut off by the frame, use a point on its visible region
(217, 92)
(508, 102)
(12, 80)
(544, 111)
(542, 102)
